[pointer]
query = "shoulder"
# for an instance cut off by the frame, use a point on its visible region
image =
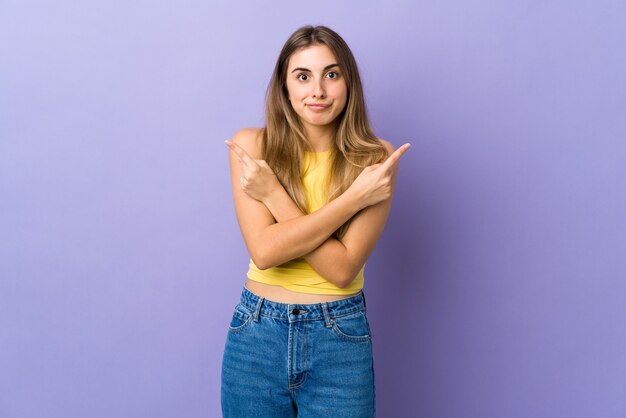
(251, 140)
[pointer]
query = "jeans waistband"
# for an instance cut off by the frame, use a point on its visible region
(299, 311)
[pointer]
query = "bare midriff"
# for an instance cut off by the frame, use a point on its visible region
(282, 295)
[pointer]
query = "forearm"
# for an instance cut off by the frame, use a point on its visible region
(296, 236)
(330, 259)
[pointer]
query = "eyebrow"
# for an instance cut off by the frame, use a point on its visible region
(306, 69)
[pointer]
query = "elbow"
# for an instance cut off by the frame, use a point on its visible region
(259, 260)
(346, 276)
(263, 259)
(342, 284)
(344, 280)
(261, 263)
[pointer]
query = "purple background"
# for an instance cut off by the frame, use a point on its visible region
(498, 287)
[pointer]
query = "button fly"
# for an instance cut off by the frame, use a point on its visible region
(295, 311)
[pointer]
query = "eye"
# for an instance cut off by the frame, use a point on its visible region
(332, 74)
(302, 77)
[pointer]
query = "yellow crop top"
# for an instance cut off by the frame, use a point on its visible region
(298, 275)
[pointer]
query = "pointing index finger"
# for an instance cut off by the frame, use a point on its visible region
(393, 158)
(241, 153)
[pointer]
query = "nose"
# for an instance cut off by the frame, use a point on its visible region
(318, 89)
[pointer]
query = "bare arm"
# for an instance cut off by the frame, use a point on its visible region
(270, 243)
(338, 261)
(329, 258)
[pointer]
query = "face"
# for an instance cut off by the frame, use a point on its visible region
(316, 86)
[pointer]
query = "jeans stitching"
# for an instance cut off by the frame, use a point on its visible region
(317, 318)
(352, 338)
(246, 321)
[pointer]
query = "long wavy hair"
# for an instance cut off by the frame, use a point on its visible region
(284, 139)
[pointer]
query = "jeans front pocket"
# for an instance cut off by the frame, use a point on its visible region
(352, 327)
(240, 320)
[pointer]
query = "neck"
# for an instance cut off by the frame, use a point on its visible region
(320, 137)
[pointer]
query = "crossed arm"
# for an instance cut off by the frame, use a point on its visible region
(339, 261)
(276, 230)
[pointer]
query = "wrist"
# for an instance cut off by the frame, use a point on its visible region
(273, 193)
(280, 205)
(353, 198)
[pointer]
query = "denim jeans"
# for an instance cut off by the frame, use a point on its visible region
(298, 360)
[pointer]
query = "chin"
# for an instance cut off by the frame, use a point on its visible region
(325, 120)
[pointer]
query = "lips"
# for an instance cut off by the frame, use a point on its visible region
(317, 106)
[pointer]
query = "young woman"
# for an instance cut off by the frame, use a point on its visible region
(312, 192)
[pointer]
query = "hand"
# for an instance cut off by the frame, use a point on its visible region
(257, 178)
(374, 183)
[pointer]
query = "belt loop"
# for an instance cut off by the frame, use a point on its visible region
(364, 304)
(327, 318)
(255, 316)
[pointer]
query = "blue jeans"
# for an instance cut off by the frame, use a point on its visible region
(298, 360)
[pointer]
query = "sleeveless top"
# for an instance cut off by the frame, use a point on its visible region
(298, 275)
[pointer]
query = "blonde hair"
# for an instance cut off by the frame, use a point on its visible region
(284, 140)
